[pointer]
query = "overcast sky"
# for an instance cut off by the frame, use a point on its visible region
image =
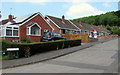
(70, 8)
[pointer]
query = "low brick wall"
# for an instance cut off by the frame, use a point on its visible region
(83, 37)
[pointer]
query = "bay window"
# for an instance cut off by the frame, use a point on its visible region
(33, 30)
(9, 31)
(15, 31)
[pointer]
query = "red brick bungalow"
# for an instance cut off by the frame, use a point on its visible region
(31, 26)
(88, 29)
(63, 26)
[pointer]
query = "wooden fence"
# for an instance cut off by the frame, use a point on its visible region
(83, 37)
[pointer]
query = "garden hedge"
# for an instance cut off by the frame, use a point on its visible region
(39, 47)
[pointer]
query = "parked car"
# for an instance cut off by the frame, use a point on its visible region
(52, 36)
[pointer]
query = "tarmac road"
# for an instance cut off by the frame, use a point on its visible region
(100, 58)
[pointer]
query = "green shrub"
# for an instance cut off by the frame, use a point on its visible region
(118, 32)
(39, 47)
(51, 45)
(26, 40)
(6, 44)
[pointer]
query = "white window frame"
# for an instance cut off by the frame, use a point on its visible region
(0, 31)
(28, 30)
(15, 29)
(4, 29)
(3, 32)
(11, 29)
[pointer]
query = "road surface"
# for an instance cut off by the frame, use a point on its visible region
(100, 58)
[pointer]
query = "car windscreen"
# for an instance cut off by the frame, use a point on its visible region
(55, 34)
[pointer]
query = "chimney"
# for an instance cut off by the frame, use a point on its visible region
(81, 22)
(63, 18)
(10, 18)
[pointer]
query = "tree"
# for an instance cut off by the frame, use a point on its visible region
(110, 18)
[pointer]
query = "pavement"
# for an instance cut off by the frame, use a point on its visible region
(46, 56)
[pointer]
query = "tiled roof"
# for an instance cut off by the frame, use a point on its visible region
(21, 18)
(79, 25)
(83, 26)
(103, 29)
(61, 24)
(67, 24)
(17, 20)
(4, 22)
(88, 27)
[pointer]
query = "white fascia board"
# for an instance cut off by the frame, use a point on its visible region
(34, 24)
(5, 27)
(28, 19)
(30, 30)
(74, 25)
(35, 16)
(10, 25)
(53, 22)
(46, 21)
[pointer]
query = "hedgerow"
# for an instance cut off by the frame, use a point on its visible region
(38, 47)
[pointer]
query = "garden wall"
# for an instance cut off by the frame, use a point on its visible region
(84, 37)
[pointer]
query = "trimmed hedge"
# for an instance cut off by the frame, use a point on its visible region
(39, 47)
(6, 44)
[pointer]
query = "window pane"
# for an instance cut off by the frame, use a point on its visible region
(15, 32)
(15, 28)
(9, 27)
(35, 31)
(8, 32)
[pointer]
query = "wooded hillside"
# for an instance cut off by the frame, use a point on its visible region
(110, 18)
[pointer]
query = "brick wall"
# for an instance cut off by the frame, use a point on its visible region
(38, 19)
(56, 29)
(11, 38)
